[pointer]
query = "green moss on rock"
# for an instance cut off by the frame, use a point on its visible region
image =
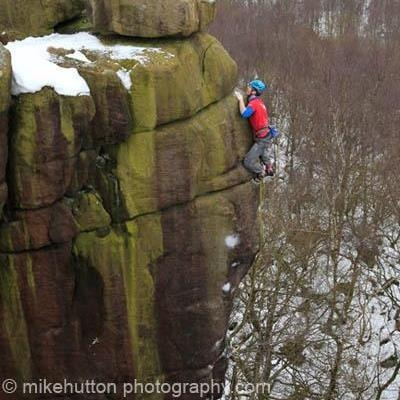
(179, 85)
(173, 80)
(46, 136)
(84, 169)
(5, 97)
(35, 229)
(21, 18)
(153, 154)
(202, 240)
(134, 176)
(88, 212)
(112, 122)
(5, 79)
(207, 12)
(12, 321)
(127, 253)
(177, 162)
(154, 19)
(48, 126)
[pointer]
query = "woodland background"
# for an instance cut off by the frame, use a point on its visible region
(318, 317)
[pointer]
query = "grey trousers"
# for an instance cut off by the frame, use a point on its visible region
(261, 149)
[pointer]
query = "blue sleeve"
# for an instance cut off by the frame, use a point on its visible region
(248, 112)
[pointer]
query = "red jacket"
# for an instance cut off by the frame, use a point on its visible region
(258, 119)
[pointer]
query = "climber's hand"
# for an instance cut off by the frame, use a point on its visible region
(238, 95)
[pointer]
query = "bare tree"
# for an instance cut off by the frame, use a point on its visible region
(318, 317)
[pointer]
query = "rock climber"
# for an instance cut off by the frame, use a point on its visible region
(260, 159)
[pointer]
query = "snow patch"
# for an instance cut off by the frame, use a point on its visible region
(232, 240)
(77, 55)
(218, 344)
(32, 72)
(125, 77)
(226, 288)
(34, 67)
(94, 341)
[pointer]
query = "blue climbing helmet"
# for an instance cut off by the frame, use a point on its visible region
(258, 86)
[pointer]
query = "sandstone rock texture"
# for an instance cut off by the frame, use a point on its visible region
(45, 142)
(177, 79)
(151, 19)
(21, 18)
(5, 97)
(129, 219)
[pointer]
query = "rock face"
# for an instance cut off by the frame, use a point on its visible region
(46, 139)
(129, 217)
(178, 79)
(5, 97)
(21, 18)
(152, 18)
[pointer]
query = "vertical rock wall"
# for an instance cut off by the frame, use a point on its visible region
(129, 218)
(5, 97)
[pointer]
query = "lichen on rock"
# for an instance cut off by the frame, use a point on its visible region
(176, 162)
(22, 18)
(5, 97)
(163, 277)
(127, 201)
(123, 257)
(151, 19)
(46, 138)
(88, 212)
(14, 342)
(200, 72)
(35, 229)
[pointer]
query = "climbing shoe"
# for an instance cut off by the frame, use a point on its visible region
(269, 170)
(258, 178)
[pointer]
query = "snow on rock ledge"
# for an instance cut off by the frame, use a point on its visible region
(35, 67)
(169, 82)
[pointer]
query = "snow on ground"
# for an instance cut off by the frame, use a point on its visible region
(372, 333)
(232, 241)
(34, 67)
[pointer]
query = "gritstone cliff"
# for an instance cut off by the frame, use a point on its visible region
(127, 219)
